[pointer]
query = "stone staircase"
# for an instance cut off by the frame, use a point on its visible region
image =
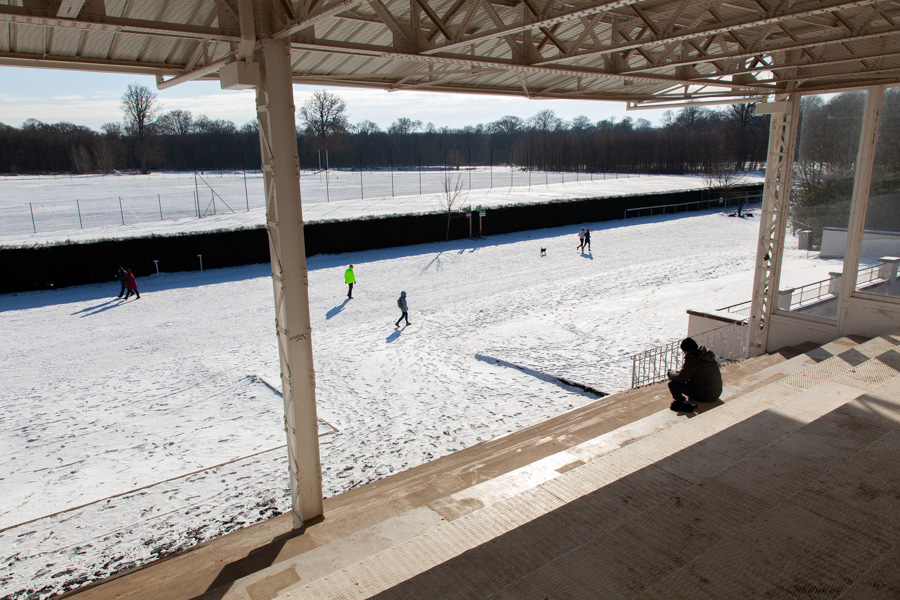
(790, 489)
(615, 499)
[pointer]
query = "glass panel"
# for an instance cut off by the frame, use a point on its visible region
(880, 254)
(827, 146)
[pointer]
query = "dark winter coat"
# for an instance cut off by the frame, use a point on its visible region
(701, 371)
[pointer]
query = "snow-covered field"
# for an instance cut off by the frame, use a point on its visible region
(39, 209)
(132, 429)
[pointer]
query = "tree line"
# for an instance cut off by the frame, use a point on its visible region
(690, 140)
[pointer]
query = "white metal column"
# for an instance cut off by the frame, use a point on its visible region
(284, 219)
(862, 186)
(773, 222)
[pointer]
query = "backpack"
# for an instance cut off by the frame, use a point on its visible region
(400, 303)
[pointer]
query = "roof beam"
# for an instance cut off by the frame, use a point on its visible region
(507, 65)
(19, 15)
(729, 28)
(805, 47)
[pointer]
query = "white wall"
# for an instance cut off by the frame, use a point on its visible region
(875, 243)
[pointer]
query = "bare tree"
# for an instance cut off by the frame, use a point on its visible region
(176, 122)
(404, 126)
(723, 180)
(544, 121)
(506, 125)
(451, 196)
(366, 128)
(324, 117)
(141, 108)
(81, 159)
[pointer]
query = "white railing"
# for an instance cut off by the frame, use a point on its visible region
(710, 200)
(869, 275)
(728, 342)
(811, 292)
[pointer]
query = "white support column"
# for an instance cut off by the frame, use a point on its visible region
(862, 184)
(773, 221)
(281, 174)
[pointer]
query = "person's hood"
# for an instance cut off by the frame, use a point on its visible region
(704, 353)
(403, 294)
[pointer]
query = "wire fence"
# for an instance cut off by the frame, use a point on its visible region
(78, 202)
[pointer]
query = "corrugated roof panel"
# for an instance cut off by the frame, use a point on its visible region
(614, 48)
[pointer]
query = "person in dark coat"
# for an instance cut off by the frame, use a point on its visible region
(587, 240)
(699, 378)
(131, 284)
(122, 276)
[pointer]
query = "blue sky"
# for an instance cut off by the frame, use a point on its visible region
(91, 99)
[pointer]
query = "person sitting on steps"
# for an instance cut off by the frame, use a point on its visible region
(699, 378)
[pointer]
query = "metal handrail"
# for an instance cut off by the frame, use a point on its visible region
(810, 292)
(650, 366)
(868, 275)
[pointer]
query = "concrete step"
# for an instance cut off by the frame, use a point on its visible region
(379, 515)
(552, 516)
(784, 521)
(793, 359)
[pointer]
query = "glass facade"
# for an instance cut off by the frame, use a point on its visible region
(880, 250)
(828, 138)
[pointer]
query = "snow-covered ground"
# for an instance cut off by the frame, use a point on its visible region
(36, 210)
(132, 429)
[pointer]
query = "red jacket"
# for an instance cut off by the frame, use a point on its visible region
(130, 283)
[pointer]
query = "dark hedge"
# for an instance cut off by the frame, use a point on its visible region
(62, 265)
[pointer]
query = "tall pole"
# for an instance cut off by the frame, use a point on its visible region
(284, 221)
(327, 192)
(246, 194)
(361, 194)
(776, 196)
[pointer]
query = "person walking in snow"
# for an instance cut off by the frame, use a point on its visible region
(699, 378)
(401, 303)
(131, 284)
(350, 279)
(581, 240)
(122, 276)
(587, 241)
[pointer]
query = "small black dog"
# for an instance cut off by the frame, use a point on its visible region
(543, 252)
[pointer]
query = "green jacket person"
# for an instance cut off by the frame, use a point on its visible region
(350, 279)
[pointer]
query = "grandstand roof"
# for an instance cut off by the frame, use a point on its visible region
(644, 52)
